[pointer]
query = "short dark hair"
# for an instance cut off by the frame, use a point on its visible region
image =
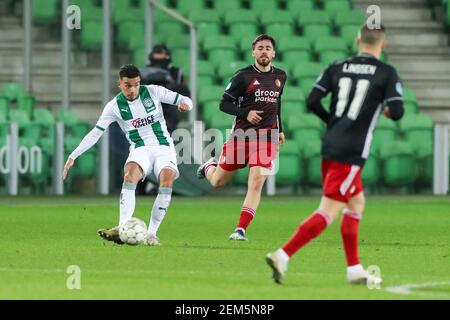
(262, 37)
(372, 36)
(129, 71)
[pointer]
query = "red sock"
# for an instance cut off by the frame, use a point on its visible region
(308, 230)
(246, 217)
(349, 232)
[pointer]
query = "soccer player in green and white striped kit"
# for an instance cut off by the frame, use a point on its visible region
(137, 109)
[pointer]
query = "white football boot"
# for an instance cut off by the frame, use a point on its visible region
(278, 261)
(151, 240)
(358, 275)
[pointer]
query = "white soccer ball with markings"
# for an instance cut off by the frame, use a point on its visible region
(133, 231)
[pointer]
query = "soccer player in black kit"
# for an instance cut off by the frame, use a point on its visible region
(254, 98)
(359, 86)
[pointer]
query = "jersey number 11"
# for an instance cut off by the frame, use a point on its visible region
(345, 85)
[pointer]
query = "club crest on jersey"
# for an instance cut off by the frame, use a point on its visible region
(148, 105)
(278, 83)
(139, 123)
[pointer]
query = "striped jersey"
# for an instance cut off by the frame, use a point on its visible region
(142, 119)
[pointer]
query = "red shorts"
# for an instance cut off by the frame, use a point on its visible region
(238, 154)
(341, 181)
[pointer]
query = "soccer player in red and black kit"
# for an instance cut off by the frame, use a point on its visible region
(254, 97)
(359, 85)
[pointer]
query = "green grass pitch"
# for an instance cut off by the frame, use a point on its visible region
(407, 237)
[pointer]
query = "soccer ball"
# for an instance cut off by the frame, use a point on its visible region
(133, 231)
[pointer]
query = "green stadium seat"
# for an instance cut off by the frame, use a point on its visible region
(44, 119)
(23, 121)
(329, 57)
(127, 28)
(447, 16)
(136, 39)
(26, 103)
(91, 35)
(305, 128)
(295, 7)
(210, 110)
(86, 165)
(69, 119)
(205, 81)
(417, 130)
(245, 44)
(330, 49)
(307, 70)
(205, 68)
(399, 164)
(208, 29)
(410, 102)
(386, 130)
(181, 57)
(131, 15)
(241, 16)
(119, 7)
(225, 7)
(223, 122)
(237, 29)
(20, 117)
(180, 42)
(12, 90)
(316, 31)
(292, 94)
(291, 109)
(313, 159)
(218, 42)
(279, 65)
(349, 18)
(313, 17)
(170, 30)
(3, 126)
(349, 33)
(425, 162)
(213, 93)
(294, 49)
(276, 17)
(45, 11)
(219, 49)
(226, 70)
(289, 169)
(333, 44)
(278, 30)
(139, 56)
(203, 15)
(371, 171)
(241, 176)
(4, 109)
(333, 7)
(185, 7)
(261, 6)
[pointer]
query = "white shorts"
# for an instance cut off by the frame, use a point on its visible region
(154, 159)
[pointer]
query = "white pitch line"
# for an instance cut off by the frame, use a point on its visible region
(407, 289)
